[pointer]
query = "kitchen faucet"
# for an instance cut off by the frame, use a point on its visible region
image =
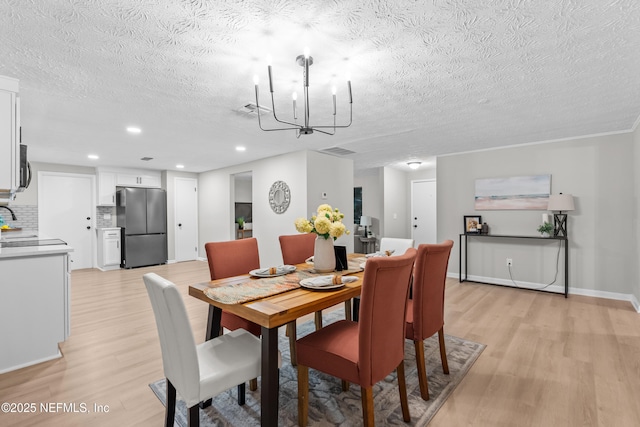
(13, 216)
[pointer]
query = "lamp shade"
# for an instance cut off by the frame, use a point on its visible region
(365, 221)
(560, 202)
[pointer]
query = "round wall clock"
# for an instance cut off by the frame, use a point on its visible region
(279, 197)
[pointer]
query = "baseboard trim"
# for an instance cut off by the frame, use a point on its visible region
(555, 288)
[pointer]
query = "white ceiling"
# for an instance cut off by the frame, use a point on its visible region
(428, 78)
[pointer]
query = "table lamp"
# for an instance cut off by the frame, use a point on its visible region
(559, 203)
(366, 222)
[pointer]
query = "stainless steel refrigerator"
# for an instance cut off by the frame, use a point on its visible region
(142, 217)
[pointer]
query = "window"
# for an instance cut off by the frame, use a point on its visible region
(357, 204)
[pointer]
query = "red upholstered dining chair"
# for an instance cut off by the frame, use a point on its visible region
(296, 248)
(363, 352)
(228, 259)
(425, 312)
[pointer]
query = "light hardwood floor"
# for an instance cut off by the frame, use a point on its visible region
(549, 361)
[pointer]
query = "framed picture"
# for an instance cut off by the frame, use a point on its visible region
(516, 192)
(471, 223)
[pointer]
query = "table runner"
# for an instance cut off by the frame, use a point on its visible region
(256, 288)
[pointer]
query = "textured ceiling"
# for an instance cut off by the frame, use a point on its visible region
(429, 77)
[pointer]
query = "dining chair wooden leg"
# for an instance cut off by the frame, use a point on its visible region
(443, 351)
(253, 384)
(356, 309)
(368, 418)
(303, 395)
(422, 369)
(347, 310)
(345, 385)
(193, 416)
(318, 320)
(402, 387)
(170, 411)
(292, 333)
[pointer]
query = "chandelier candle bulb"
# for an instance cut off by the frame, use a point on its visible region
(295, 97)
(270, 79)
(333, 90)
(350, 97)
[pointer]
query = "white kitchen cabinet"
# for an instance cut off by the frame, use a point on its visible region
(106, 189)
(109, 253)
(138, 179)
(9, 139)
(110, 178)
(34, 308)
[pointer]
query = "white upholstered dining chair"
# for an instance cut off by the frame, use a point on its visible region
(398, 246)
(197, 372)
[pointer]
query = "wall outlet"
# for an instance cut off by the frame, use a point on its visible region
(509, 262)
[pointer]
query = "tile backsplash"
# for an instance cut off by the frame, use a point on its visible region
(27, 216)
(101, 212)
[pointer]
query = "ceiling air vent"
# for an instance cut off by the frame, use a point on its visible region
(337, 151)
(146, 159)
(251, 109)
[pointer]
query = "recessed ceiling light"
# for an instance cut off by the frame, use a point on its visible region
(180, 166)
(93, 156)
(241, 148)
(414, 164)
(133, 129)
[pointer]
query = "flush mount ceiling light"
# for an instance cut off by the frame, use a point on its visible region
(180, 166)
(305, 61)
(133, 129)
(241, 148)
(93, 156)
(414, 165)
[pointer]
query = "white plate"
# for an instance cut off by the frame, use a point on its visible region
(307, 283)
(257, 272)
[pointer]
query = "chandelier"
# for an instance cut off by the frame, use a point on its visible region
(305, 61)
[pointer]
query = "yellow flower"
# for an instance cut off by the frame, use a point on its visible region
(322, 225)
(336, 229)
(325, 208)
(303, 225)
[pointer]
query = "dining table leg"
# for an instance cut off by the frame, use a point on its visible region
(270, 387)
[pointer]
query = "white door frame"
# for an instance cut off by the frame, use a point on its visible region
(93, 222)
(411, 223)
(176, 229)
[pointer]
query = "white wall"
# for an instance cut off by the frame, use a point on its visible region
(371, 181)
(598, 171)
(215, 210)
(396, 204)
(334, 176)
(243, 188)
(636, 196)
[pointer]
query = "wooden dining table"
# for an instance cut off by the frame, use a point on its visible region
(270, 313)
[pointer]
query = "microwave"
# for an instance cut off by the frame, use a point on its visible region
(25, 169)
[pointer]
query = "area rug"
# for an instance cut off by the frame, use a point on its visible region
(328, 404)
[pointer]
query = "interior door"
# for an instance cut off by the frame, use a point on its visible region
(186, 219)
(66, 210)
(423, 212)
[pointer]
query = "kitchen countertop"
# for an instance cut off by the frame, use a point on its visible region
(25, 235)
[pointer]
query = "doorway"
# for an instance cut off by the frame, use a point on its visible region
(242, 206)
(186, 219)
(66, 210)
(423, 212)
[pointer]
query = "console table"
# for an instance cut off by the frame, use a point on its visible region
(465, 236)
